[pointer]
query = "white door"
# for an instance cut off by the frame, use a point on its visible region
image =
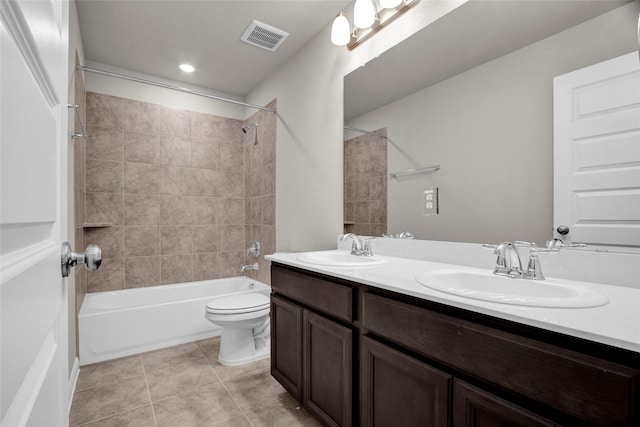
(33, 212)
(597, 153)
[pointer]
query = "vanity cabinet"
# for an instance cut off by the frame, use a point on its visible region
(312, 344)
(417, 362)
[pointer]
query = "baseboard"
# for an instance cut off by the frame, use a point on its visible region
(73, 380)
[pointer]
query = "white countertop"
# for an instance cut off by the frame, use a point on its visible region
(616, 323)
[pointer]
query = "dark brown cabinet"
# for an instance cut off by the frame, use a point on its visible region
(398, 390)
(311, 348)
(474, 407)
(357, 355)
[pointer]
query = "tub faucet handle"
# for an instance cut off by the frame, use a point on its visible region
(254, 249)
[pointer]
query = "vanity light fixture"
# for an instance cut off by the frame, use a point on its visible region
(187, 68)
(369, 17)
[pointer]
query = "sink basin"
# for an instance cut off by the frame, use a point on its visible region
(487, 286)
(339, 259)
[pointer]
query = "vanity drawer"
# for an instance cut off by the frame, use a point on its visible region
(326, 296)
(588, 388)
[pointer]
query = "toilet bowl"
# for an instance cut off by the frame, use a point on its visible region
(244, 319)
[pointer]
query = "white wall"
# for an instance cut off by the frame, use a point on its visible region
(157, 95)
(491, 130)
(309, 156)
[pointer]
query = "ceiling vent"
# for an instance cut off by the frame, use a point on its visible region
(263, 35)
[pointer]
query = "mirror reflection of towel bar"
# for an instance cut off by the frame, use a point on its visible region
(426, 169)
(76, 135)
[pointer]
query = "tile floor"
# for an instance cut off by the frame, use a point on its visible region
(182, 386)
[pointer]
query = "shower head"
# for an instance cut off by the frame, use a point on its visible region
(246, 128)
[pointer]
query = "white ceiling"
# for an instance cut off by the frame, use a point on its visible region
(474, 33)
(155, 36)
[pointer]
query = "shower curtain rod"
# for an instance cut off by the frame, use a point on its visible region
(172, 87)
(367, 132)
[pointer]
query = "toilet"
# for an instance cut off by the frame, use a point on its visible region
(244, 319)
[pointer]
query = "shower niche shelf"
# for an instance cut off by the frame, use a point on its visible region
(96, 225)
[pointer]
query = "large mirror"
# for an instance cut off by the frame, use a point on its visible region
(473, 93)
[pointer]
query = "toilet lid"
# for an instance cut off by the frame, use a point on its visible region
(242, 303)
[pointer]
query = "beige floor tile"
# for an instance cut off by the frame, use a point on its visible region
(256, 390)
(171, 356)
(227, 373)
(180, 378)
(139, 417)
(284, 413)
(236, 422)
(210, 348)
(111, 370)
(205, 406)
(108, 399)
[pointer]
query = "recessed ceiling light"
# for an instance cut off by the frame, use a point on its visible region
(187, 68)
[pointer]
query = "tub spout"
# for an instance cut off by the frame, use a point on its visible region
(246, 267)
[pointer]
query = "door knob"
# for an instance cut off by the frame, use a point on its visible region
(563, 229)
(91, 258)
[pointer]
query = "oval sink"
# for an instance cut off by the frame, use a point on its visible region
(487, 286)
(339, 259)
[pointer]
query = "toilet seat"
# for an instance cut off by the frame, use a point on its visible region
(238, 304)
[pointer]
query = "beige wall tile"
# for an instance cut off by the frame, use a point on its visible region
(231, 131)
(79, 205)
(206, 238)
(79, 161)
(362, 190)
(141, 116)
(232, 157)
(232, 238)
(205, 127)
(350, 212)
(105, 143)
(176, 180)
(104, 208)
(141, 209)
(269, 176)
(362, 212)
(378, 211)
(105, 176)
(175, 151)
(206, 210)
(105, 110)
(176, 269)
(142, 240)
(175, 122)
(256, 210)
(109, 277)
(177, 210)
(230, 263)
(206, 266)
(378, 188)
(176, 239)
(205, 154)
(205, 182)
(141, 147)
(141, 178)
(269, 209)
(233, 185)
(233, 211)
(142, 271)
(110, 240)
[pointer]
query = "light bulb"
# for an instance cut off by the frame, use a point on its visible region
(187, 68)
(364, 13)
(340, 31)
(390, 4)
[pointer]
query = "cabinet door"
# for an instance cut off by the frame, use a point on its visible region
(398, 390)
(473, 407)
(286, 345)
(327, 370)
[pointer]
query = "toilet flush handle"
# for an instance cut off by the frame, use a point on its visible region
(91, 258)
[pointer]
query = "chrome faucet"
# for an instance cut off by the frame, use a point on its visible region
(358, 247)
(246, 267)
(508, 262)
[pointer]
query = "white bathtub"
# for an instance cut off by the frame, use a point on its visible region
(130, 321)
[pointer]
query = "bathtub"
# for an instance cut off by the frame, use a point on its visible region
(130, 321)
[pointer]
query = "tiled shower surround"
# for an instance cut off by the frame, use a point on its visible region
(174, 195)
(365, 184)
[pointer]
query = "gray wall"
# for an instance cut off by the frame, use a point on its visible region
(491, 130)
